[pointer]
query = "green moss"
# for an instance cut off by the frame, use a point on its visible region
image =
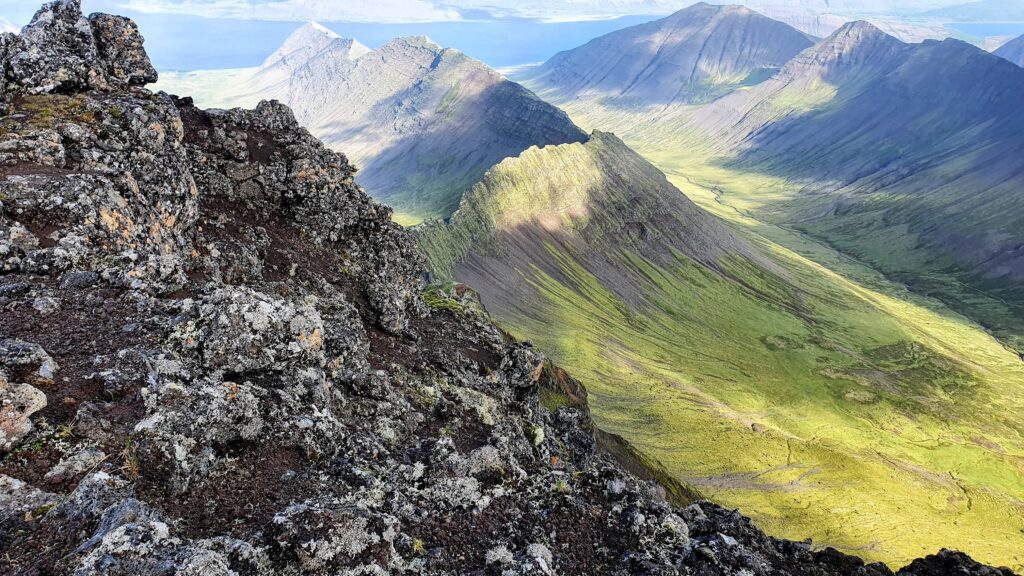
(439, 297)
(48, 110)
(553, 400)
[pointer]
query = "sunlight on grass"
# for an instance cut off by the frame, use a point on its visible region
(735, 397)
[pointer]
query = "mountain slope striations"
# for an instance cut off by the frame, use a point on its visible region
(906, 156)
(423, 122)
(591, 201)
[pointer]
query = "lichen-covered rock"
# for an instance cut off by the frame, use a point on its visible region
(56, 51)
(239, 330)
(17, 498)
(264, 159)
(119, 46)
(948, 562)
(62, 51)
(19, 400)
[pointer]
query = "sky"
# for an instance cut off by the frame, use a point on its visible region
(404, 11)
(209, 34)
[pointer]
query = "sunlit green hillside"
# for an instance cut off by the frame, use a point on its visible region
(800, 386)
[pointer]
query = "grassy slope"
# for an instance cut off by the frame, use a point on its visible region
(847, 410)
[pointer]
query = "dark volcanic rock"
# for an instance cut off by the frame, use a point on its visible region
(238, 373)
(62, 51)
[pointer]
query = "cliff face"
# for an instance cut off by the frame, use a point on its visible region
(692, 56)
(215, 359)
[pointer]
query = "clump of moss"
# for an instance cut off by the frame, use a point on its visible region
(441, 297)
(48, 110)
(553, 400)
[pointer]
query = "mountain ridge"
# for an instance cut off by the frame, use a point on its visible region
(941, 148)
(874, 138)
(218, 357)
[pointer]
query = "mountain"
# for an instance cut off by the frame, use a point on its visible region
(823, 22)
(308, 42)
(694, 55)
(217, 359)
(1013, 51)
(907, 156)
(587, 201)
(422, 122)
(872, 142)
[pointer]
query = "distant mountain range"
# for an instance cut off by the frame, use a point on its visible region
(1013, 51)
(423, 123)
(910, 156)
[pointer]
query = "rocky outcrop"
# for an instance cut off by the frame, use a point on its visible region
(62, 51)
(242, 376)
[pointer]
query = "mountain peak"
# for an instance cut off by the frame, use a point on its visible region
(858, 43)
(705, 11)
(317, 28)
(1013, 51)
(857, 31)
(695, 55)
(313, 39)
(716, 8)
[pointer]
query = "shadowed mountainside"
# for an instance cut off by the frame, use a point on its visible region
(909, 156)
(593, 201)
